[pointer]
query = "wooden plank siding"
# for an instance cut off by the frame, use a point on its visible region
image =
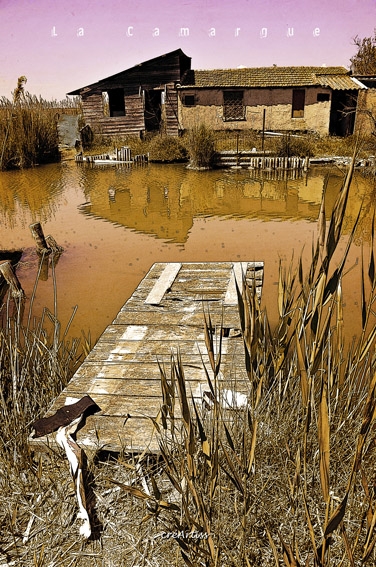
(133, 122)
(164, 316)
(92, 107)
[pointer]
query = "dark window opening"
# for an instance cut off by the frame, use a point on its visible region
(323, 97)
(233, 106)
(298, 101)
(113, 102)
(153, 110)
(189, 100)
(342, 113)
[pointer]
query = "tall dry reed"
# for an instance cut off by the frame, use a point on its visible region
(36, 362)
(28, 128)
(289, 477)
(199, 141)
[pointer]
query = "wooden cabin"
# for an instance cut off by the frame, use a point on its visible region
(164, 94)
(138, 100)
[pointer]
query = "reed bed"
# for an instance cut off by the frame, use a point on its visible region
(201, 147)
(28, 128)
(285, 477)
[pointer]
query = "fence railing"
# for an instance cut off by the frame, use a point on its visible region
(254, 160)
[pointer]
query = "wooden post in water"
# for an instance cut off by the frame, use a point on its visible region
(10, 277)
(37, 232)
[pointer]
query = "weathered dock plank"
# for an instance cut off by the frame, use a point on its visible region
(163, 284)
(163, 317)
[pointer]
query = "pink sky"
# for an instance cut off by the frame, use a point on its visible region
(61, 46)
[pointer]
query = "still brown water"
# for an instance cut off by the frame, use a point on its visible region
(114, 223)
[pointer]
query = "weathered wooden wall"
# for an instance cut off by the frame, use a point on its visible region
(159, 73)
(132, 123)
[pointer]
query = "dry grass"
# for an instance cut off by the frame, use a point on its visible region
(289, 478)
(170, 148)
(303, 145)
(200, 146)
(104, 144)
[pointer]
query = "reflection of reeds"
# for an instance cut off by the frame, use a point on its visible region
(290, 475)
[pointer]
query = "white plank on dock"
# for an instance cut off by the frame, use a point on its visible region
(164, 314)
(164, 282)
(236, 279)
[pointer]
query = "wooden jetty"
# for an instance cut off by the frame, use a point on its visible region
(164, 314)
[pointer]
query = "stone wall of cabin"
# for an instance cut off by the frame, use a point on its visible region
(365, 121)
(208, 109)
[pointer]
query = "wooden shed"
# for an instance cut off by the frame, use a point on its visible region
(138, 100)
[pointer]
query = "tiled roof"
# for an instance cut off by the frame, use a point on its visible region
(258, 77)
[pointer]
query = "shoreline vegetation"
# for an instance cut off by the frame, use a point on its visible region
(29, 137)
(198, 146)
(288, 477)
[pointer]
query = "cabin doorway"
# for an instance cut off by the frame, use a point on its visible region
(342, 113)
(153, 110)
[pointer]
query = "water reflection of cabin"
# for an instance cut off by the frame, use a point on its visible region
(165, 94)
